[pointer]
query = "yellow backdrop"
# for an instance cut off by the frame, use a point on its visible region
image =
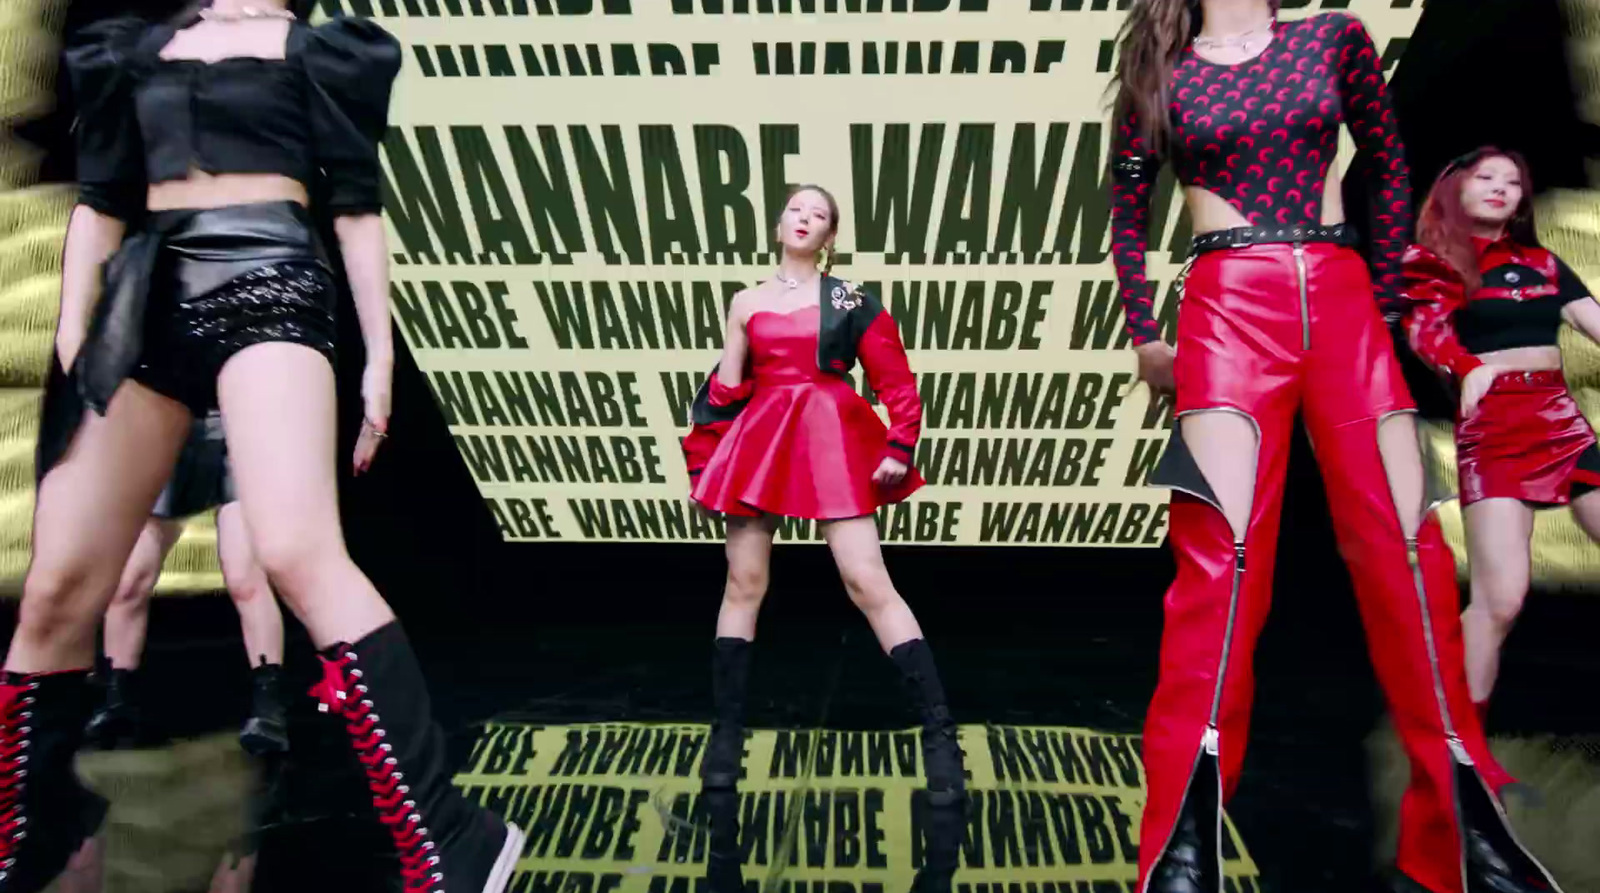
(572, 197)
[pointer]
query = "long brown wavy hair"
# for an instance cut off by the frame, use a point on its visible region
(1443, 226)
(1151, 40)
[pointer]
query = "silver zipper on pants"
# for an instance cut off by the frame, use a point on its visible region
(1211, 739)
(1458, 750)
(1305, 308)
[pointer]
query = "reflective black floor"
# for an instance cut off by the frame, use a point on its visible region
(593, 730)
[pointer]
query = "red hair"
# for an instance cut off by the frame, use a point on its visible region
(1444, 228)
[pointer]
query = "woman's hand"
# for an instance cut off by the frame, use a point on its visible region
(1155, 365)
(1475, 385)
(890, 471)
(375, 385)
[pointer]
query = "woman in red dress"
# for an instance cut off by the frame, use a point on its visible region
(1486, 303)
(780, 431)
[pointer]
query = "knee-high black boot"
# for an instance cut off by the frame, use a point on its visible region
(46, 814)
(724, 873)
(443, 841)
(941, 752)
(730, 671)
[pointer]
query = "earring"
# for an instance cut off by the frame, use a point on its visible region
(825, 258)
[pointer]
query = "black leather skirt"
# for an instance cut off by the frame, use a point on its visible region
(186, 291)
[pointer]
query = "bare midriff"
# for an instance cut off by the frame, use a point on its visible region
(203, 190)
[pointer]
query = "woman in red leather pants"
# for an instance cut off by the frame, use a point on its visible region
(1279, 317)
(1486, 301)
(779, 431)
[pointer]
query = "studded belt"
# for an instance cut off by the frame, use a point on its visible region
(1240, 237)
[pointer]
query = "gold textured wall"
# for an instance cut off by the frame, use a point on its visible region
(32, 224)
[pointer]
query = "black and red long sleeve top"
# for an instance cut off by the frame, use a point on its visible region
(1518, 303)
(1261, 135)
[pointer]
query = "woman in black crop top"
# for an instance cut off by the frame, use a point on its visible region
(1486, 301)
(1281, 315)
(193, 279)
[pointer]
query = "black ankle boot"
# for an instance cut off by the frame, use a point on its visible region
(941, 752)
(443, 841)
(267, 729)
(1182, 867)
(117, 723)
(46, 814)
(730, 671)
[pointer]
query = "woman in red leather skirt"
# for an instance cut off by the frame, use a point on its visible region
(1279, 317)
(780, 431)
(1486, 302)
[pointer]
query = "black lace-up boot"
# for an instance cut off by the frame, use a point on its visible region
(46, 814)
(443, 841)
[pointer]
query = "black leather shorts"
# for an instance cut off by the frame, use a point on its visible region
(186, 291)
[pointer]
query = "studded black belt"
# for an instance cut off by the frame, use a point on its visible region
(1222, 239)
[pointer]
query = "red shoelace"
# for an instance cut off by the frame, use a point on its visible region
(342, 692)
(15, 699)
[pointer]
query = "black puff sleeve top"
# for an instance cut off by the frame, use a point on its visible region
(316, 115)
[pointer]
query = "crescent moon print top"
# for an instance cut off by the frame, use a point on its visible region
(1261, 135)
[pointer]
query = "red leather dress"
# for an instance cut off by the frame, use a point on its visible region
(1527, 440)
(806, 444)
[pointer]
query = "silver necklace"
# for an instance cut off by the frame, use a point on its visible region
(245, 12)
(792, 283)
(1240, 41)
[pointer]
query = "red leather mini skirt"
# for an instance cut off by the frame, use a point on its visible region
(1525, 441)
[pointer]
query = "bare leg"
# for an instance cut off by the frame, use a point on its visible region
(278, 412)
(91, 508)
(749, 551)
(1224, 445)
(1586, 511)
(856, 551)
(277, 402)
(860, 559)
(260, 619)
(128, 615)
(1498, 535)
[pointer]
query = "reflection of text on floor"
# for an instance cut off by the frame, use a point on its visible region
(618, 806)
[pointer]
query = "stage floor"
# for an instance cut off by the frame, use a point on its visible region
(557, 726)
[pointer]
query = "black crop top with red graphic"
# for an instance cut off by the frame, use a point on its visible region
(1518, 304)
(1261, 135)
